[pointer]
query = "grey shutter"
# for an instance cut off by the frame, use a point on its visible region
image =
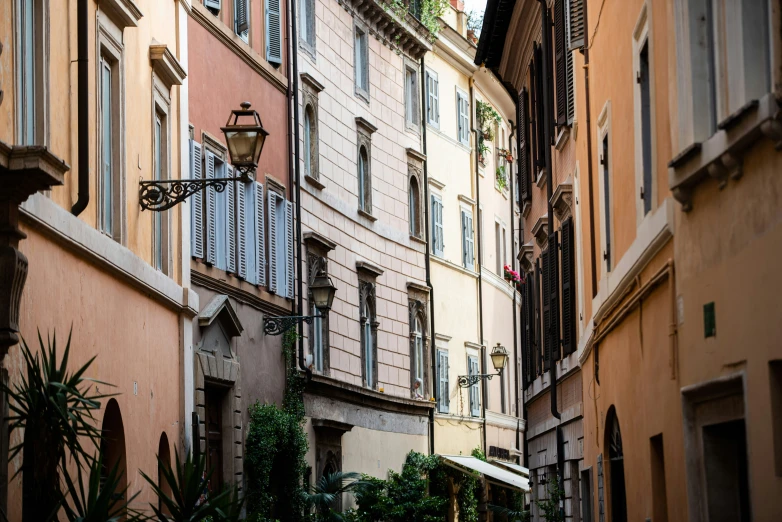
(546, 310)
(539, 110)
(197, 203)
(528, 311)
(560, 61)
(442, 376)
(260, 235)
(272, 204)
(212, 4)
(436, 90)
(273, 32)
(211, 211)
(571, 89)
(475, 397)
(242, 24)
(553, 276)
(525, 178)
(470, 242)
(576, 24)
(230, 223)
(569, 335)
(437, 225)
(464, 239)
(241, 230)
(289, 249)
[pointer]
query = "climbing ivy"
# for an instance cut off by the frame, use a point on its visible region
(550, 507)
(275, 450)
(431, 11)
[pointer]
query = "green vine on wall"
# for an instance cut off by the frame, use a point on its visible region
(431, 11)
(276, 449)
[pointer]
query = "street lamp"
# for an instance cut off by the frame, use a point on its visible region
(322, 292)
(245, 143)
(499, 358)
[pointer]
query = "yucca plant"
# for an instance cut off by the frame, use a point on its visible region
(188, 500)
(511, 515)
(327, 491)
(102, 501)
(54, 408)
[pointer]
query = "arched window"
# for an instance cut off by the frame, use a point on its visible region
(616, 468)
(112, 445)
(310, 143)
(414, 202)
(418, 348)
(363, 180)
(164, 459)
(368, 333)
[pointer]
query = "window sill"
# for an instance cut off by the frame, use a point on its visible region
(562, 137)
(720, 156)
(362, 94)
(542, 177)
(526, 208)
(314, 182)
(367, 215)
(417, 239)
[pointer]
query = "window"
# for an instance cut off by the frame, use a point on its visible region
(443, 390)
(463, 118)
(281, 266)
(368, 333)
(432, 99)
(106, 149)
(468, 240)
(659, 495)
(309, 92)
(110, 188)
(644, 86)
(159, 247)
(562, 62)
(307, 28)
(364, 187)
(775, 374)
(213, 6)
(411, 98)
(438, 246)
(32, 70)
(586, 496)
(569, 335)
(606, 182)
(473, 368)
(196, 203)
(727, 60)
(499, 241)
(273, 32)
(414, 205)
(503, 383)
(310, 143)
(242, 19)
(319, 330)
(419, 362)
(361, 50)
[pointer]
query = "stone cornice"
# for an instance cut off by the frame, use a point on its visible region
(125, 13)
(165, 65)
(562, 200)
(540, 230)
(414, 154)
(367, 267)
(312, 82)
(364, 124)
(322, 242)
(336, 389)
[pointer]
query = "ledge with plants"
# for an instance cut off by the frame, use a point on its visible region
(502, 178)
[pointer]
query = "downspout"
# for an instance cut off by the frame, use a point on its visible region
(294, 173)
(476, 130)
(520, 403)
(591, 198)
(425, 193)
(513, 250)
(83, 114)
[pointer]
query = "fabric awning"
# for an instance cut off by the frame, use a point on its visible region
(490, 472)
(521, 470)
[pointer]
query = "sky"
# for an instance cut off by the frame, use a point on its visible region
(470, 5)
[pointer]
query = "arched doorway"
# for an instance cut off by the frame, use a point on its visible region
(112, 445)
(164, 459)
(616, 468)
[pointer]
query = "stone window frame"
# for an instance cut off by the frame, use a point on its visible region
(318, 248)
(309, 47)
(41, 47)
(642, 38)
(415, 163)
(364, 131)
(417, 307)
(161, 109)
(310, 89)
(606, 215)
(367, 304)
(359, 90)
(414, 125)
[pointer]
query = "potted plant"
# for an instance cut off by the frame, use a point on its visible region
(488, 119)
(502, 179)
(483, 152)
(510, 275)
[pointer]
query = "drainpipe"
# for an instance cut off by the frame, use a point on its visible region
(476, 130)
(512, 198)
(425, 193)
(83, 114)
(585, 50)
(294, 173)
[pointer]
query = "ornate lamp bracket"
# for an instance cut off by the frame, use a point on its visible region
(159, 195)
(466, 381)
(280, 325)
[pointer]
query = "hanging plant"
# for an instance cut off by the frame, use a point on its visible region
(502, 179)
(505, 154)
(488, 118)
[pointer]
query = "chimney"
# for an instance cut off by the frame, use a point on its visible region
(458, 5)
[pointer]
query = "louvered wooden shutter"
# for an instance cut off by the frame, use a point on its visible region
(442, 378)
(569, 335)
(241, 229)
(529, 312)
(230, 221)
(197, 203)
(260, 235)
(546, 310)
(576, 24)
(475, 393)
(440, 229)
(289, 250)
(211, 212)
(525, 176)
(437, 226)
(242, 24)
(436, 95)
(537, 360)
(273, 32)
(553, 276)
(525, 337)
(560, 61)
(212, 4)
(272, 204)
(540, 134)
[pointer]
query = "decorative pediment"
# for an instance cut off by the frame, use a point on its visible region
(540, 231)
(165, 65)
(562, 200)
(219, 309)
(362, 124)
(125, 13)
(414, 155)
(526, 256)
(313, 239)
(331, 426)
(369, 269)
(312, 82)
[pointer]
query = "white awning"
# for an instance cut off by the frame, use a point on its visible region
(521, 470)
(490, 472)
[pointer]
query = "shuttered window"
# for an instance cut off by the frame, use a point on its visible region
(546, 310)
(528, 335)
(575, 24)
(289, 263)
(525, 185)
(569, 335)
(273, 32)
(560, 52)
(443, 390)
(432, 99)
(274, 244)
(540, 149)
(463, 115)
(211, 211)
(241, 227)
(220, 239)
(281, 249)
(196, 203)
(468, 240)
(553, 282)
(241, 19)
(438, 244)
(260, 235)
(475, 393)
(537, 359)
(230, 223)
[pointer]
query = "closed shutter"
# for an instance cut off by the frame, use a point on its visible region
(197, 203)
(468, 242)
(539, 111)
(443, 399)
(211, 212)
(547, 50)
(524, 145)
(230, 221)
(475, 394)
(546, 311)
(553, 277)
(532, 318)
(241, 229)
(560, 61)
(272, 204)
(463, 112)
(212, 4)
(432, 100)
(576, 24)
(526, 331)
(242, 23)
(273, 32)
(571, 88)
(260, 235)
(437, 225)
(569, 335)
(289, 250)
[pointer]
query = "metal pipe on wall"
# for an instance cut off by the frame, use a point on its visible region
(512, 199)
(83, 114)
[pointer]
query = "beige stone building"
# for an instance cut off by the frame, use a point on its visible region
(92, 99)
